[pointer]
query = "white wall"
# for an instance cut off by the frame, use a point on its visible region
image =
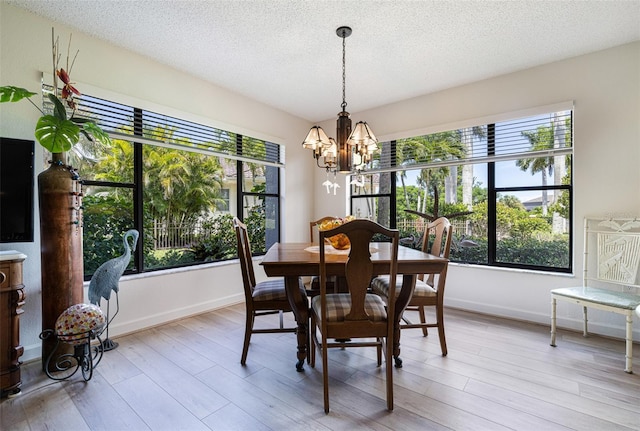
(605, 87)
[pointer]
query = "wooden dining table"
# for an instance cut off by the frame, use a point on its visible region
(295, 260)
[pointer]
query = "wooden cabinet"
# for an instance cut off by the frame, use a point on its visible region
(11, 302)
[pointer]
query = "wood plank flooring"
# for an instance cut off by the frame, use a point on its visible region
(499, 375)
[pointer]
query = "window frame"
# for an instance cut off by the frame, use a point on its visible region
(493, 191)
(105, 113)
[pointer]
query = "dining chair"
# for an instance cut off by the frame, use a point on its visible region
(312, 285)
(356, 314)
(313, 225)
(428, 292)
(263, 298)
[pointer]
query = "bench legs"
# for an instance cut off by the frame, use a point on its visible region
(629, 341)
(553, 321)
(628, 336)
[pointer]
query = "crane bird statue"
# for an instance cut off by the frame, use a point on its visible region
(106, 279)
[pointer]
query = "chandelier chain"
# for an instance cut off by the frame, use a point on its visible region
(344, 75)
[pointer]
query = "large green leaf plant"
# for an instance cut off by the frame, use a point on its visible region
(60, 131)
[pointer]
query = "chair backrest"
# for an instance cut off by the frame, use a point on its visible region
(442, 233)
(244, 254)
(314, 224)
(612, 253)
(359, 267)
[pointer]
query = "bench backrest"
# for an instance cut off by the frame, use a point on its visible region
(612, 251)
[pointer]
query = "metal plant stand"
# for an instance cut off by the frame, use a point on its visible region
(85, 356)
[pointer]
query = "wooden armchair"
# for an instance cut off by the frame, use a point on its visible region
(356, 314)
(264, 298)
(428, 292)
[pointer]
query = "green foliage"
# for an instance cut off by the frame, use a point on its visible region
(563, 204)
(530, 226)
(14, 94)
(57, 133)
(218, 241)
(411, 194)
(553, 252)
(550, 252)
(105, 220)
(180, 186)
(479, 193)
(513, 202)
(256, 228)
(470, 254)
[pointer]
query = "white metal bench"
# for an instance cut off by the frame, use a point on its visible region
(614, 287)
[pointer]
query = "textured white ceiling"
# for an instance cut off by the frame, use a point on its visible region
(285, 53)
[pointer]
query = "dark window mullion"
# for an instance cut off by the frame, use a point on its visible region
(240, 176)
(492, 197)
(138, 198)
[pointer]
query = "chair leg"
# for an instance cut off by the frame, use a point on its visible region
(423, 320)
(325, 374)
(379, 351)
(311, 353)
(247, 336)
(310, 345)
(389, 377)
(443, 341)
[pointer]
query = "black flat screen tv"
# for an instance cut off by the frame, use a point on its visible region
(16, 190)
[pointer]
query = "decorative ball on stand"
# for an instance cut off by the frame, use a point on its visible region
(76, 323)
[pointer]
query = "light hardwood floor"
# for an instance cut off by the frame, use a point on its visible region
(499, 375)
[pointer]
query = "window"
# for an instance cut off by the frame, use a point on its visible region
(505, 185)
(223, 205)
(178, 183)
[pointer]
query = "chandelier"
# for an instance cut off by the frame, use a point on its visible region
(353, 149)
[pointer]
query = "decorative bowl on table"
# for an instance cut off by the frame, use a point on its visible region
(340, 241)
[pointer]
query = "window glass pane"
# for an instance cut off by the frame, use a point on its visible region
(527, 236)
(108, 210)
(182, 192)
(260, 203)
(261, 215)
(224, 205)
(469, 243)
(373, 208)
(254, 178)
(363, 184)
(456, 192)
(107, 215)
(271, 179)
(536, 172)
(95, 162)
